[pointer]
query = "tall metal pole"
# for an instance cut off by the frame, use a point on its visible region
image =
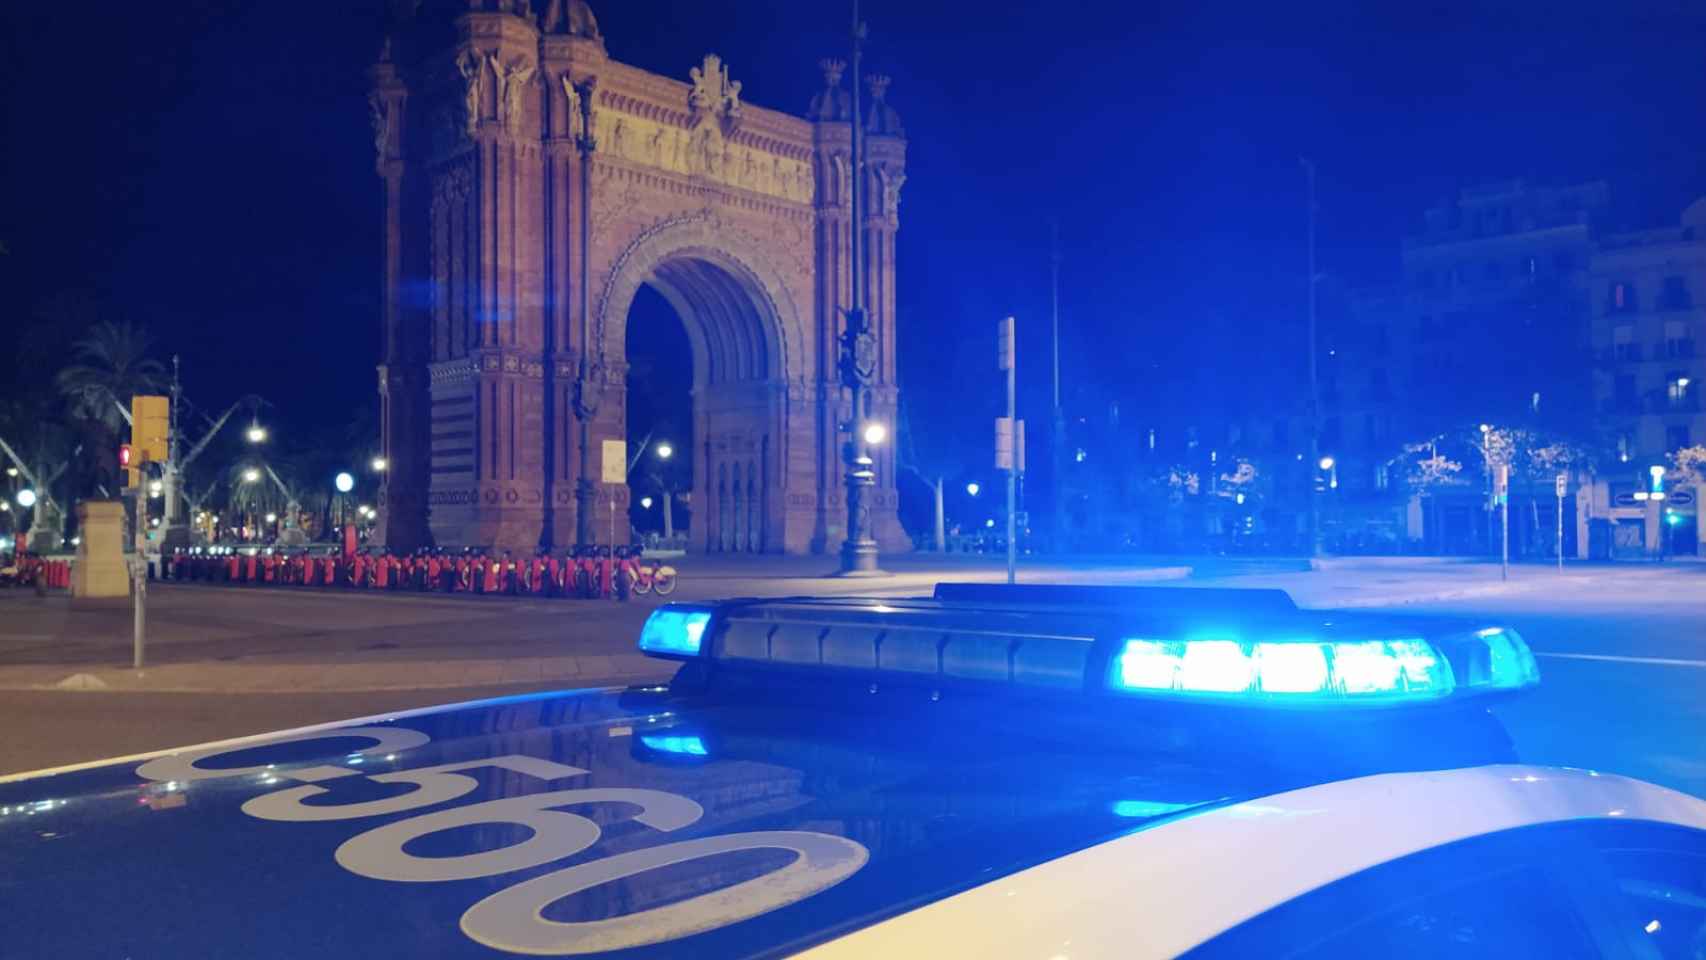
(1314, 392)
(941, 520)
(858, 354)
(587, 390)
(174, 458)
(1013, 441)
(1057, 431)
(1504, 536)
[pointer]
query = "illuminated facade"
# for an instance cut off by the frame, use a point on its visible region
(532, 185)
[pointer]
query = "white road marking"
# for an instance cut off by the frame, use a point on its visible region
(1610, 658)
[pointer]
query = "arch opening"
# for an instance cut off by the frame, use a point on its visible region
(702, 347)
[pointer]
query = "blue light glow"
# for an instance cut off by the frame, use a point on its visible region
(1291, 667)
(1146, 808)
(1216, 666)
(1366, 667)
(675, 743)
(1148, 665)
(1299, 671)
(1510, 664)
(673, 630)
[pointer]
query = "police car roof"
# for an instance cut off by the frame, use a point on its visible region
(737, 813)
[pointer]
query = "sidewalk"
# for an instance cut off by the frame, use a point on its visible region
(233, 639)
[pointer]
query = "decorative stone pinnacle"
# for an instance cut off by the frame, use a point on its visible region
(878, 84)
(832, 71)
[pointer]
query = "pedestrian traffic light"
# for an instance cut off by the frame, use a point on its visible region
(131, 474)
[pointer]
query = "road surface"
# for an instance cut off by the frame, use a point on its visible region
(1623, 659)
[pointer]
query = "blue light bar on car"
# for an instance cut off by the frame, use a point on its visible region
(1307, 671)
(1109, 645)
(1296, 670)
(675, 630)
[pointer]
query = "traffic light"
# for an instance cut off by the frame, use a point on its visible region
(125, 463)
(149, 424)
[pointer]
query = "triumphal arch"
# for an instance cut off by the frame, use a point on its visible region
(532, 185)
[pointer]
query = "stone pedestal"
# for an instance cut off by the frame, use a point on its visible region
(100, 570)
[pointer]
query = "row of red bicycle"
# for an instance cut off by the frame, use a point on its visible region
(588, 572)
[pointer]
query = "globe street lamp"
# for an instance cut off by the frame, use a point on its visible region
(344, 482)
(11, 471)
(974, 488)
(876, 433)
(26, 498)
(256, 433)
(380, 464)
(664, 452)
(645, 503)
(251, 475)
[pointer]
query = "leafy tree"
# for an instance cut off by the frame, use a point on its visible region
(111, 365)
(1426, 471)
(1688, 466)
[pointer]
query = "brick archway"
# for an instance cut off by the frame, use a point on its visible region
(741, 321)
(505, 135)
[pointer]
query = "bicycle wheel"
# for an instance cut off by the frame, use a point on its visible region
(664, 581)
(642, 586)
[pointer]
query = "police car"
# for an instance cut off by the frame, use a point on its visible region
(1028, 772)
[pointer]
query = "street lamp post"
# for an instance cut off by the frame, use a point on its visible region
(1314, 392)
(1487, 474)
(858, 356)
(1057, 426)
(664, 452)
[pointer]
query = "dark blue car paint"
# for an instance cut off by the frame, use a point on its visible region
(102, 863)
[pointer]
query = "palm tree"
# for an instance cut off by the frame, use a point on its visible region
(112, 365)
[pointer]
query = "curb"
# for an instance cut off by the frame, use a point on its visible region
(1401, 600)
(364, 677)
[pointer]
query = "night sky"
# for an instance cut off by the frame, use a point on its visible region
(206, 168)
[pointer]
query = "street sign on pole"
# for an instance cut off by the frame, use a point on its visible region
(615, 466)
(1562, 483)
(1019, 445)
(1003, 443)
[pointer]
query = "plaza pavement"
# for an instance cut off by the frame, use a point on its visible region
(234, 639)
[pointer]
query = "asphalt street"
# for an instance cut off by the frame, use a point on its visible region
(1622, 654)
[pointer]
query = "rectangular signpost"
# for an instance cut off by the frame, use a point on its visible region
(614, 472)
(1562, 483)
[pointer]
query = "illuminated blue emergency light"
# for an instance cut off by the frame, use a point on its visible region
(674, 631)
(684, 745)
(1149, 645)
(1324, 671)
